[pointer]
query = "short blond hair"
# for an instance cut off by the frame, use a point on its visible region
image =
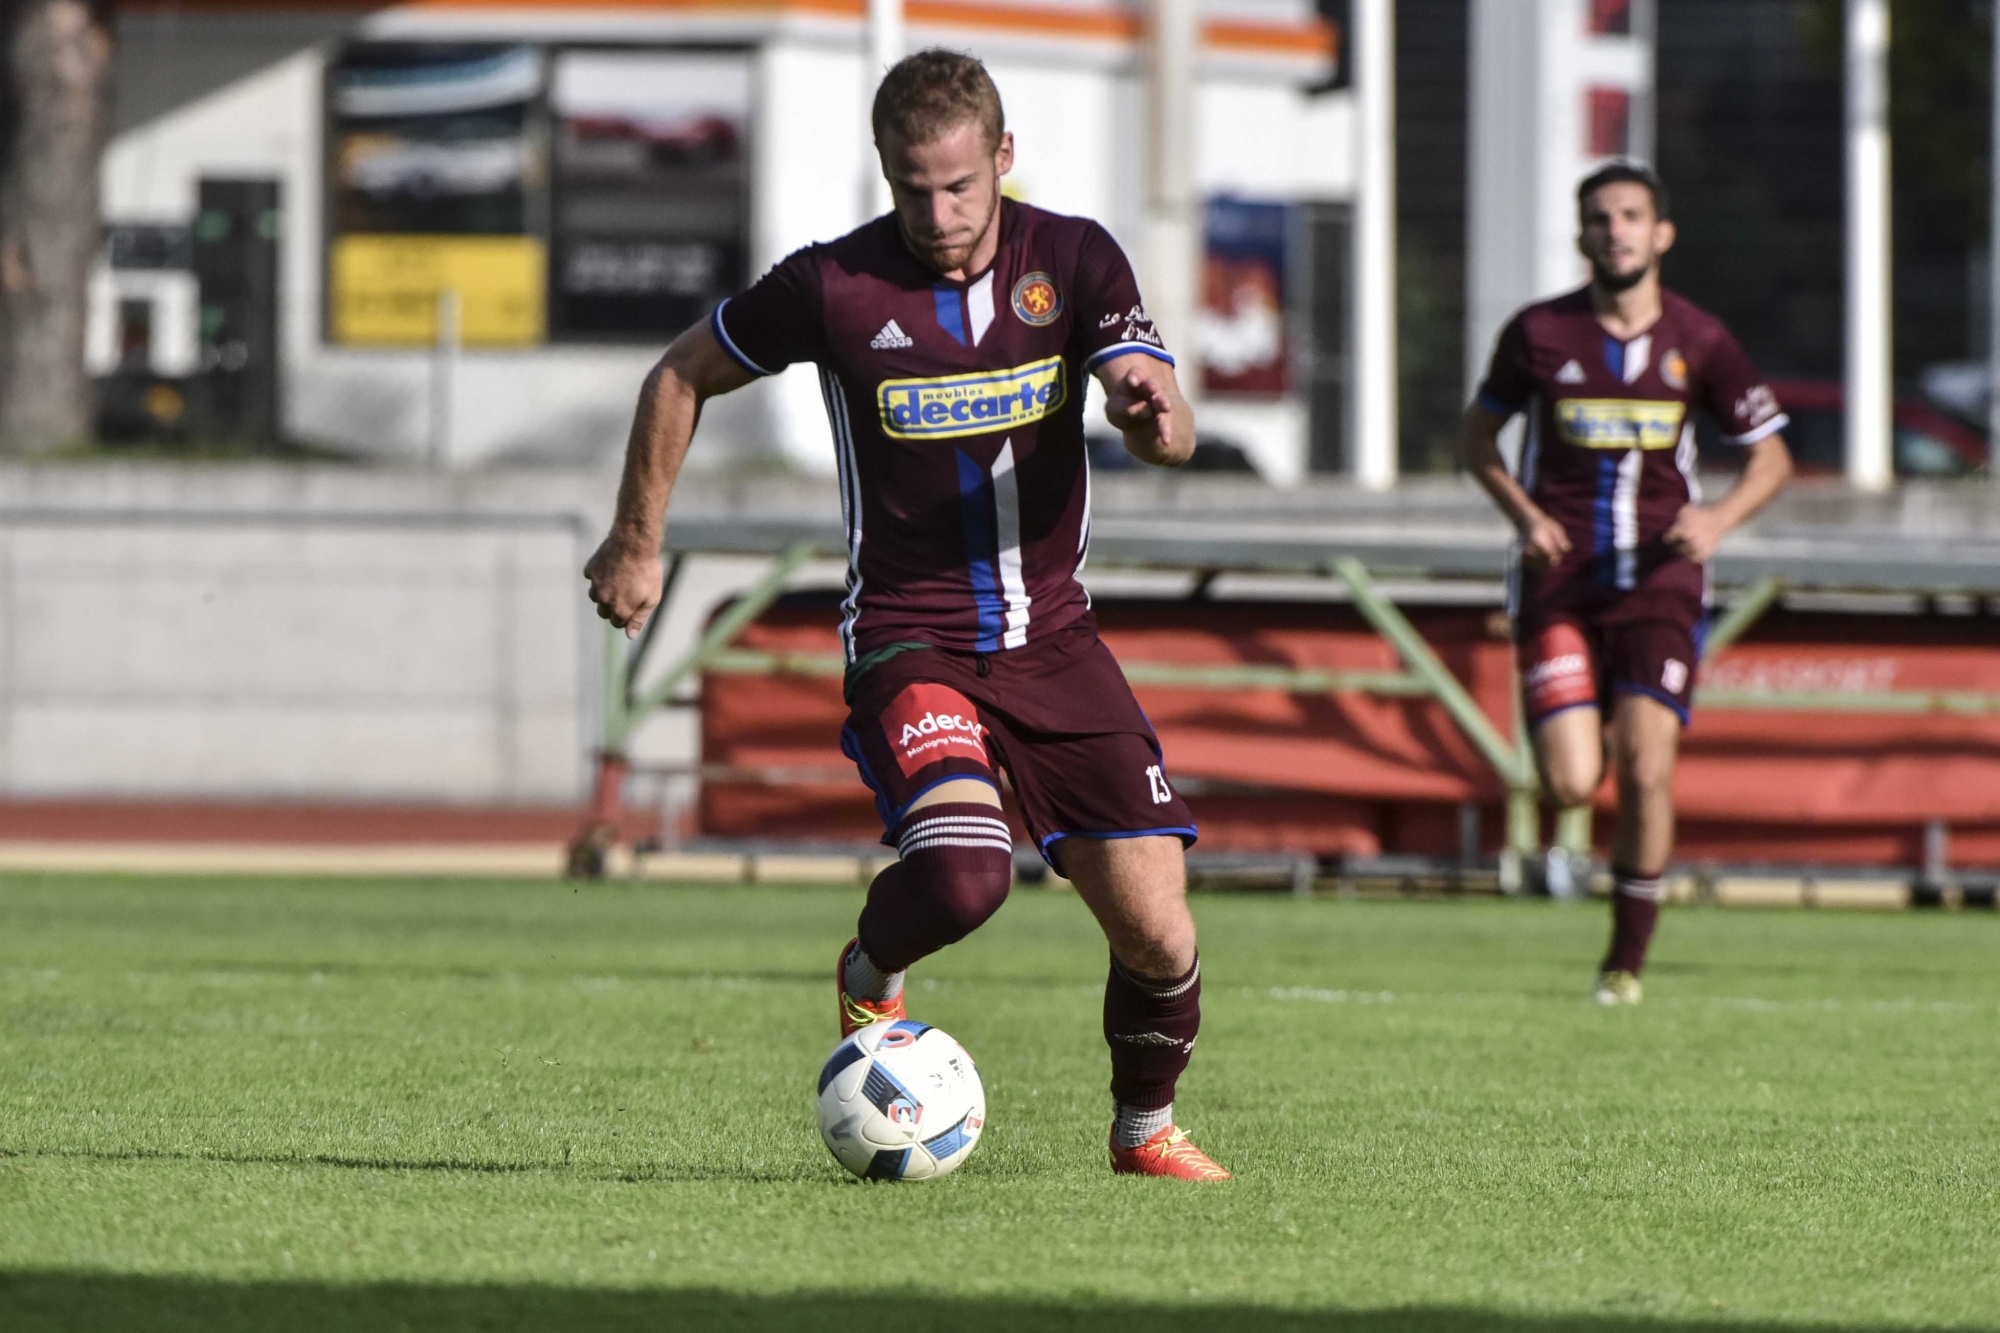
(929, 94)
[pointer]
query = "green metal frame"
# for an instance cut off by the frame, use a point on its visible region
(1744, 612)
(624, 711)
(1423, 676)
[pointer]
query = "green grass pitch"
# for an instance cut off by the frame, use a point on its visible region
(318, 1105)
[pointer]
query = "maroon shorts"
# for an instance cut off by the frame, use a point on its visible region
(1569, 660)
(1056, 714)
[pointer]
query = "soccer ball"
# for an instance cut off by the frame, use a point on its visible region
(900, 1101)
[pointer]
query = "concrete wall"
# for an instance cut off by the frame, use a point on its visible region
(384, 659)
(325, 633)
(343, 633)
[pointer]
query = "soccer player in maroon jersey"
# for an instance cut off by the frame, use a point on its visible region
(1610, 590)
(952, 336)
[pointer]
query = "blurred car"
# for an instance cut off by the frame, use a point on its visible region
(1960, 387)
(1929, 442)
(134, 404)
(691, 139)
(1107, 454)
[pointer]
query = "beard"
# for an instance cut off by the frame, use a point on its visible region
(1614, 282)
(941, 257)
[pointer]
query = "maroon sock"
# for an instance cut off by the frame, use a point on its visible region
(1150, 1024)
(1635, 910)
(957, 865)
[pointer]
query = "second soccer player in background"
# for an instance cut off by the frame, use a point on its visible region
(1609, 591)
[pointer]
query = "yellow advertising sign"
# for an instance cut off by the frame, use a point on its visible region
(1620, 423)
(948, 406)
(385, 289)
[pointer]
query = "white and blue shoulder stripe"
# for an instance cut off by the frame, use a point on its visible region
(729, 344)
(1099, 357)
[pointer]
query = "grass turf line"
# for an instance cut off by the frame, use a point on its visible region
(323, 1104)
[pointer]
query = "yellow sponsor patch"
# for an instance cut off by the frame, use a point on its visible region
(1619, 423)
(952, 405)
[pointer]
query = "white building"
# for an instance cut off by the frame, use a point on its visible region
(585, 176)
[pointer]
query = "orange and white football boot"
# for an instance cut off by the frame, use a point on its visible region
(855, 1014)
(1168, 1153)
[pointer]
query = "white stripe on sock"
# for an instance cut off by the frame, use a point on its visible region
(1164, 990)
(957, 822)
(965, 825)
(995, 844)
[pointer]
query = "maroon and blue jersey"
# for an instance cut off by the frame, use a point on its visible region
(1609, 452)
(957, 417)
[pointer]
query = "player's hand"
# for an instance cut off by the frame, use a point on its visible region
(1696, 533)
(625, 580)
(1544, 543)
(1143, 412)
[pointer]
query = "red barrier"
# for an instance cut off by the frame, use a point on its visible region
(1327, 775)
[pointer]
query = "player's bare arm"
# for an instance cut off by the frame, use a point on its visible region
(1699, 529)
(625, 572)
(1143, 401)
(1543, 541)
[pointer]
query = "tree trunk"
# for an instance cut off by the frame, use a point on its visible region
(55, 115)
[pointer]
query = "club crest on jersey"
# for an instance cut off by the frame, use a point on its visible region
(925, 723)
(949, 406)
(1674, 371)
(1036, 300)
(1619, 423)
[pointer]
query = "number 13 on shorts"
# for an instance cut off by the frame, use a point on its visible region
(1156, 779)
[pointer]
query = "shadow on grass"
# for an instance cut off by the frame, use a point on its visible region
(41, 1302)
(286, 1159)
(411, 971)
(183, 969)
(822, 1172)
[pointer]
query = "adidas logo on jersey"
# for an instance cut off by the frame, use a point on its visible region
(892, 337)
(1572, 373)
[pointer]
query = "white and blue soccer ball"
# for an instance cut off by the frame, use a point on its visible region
(900, 1101)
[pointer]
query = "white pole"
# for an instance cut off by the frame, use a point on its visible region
(1993, 261)
(1173, 213)
(885, 46)
(1373, 413)
(444, 374)
(1870, 434)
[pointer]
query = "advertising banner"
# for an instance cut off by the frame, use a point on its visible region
(651, 217)
(436, 171)
(1350, 774)
(386, 289)
(1245, 347)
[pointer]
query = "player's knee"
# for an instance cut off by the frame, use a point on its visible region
(972, 888)
(1162, 949)
(963, 854)
(1569, 788)
(1645, 772)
